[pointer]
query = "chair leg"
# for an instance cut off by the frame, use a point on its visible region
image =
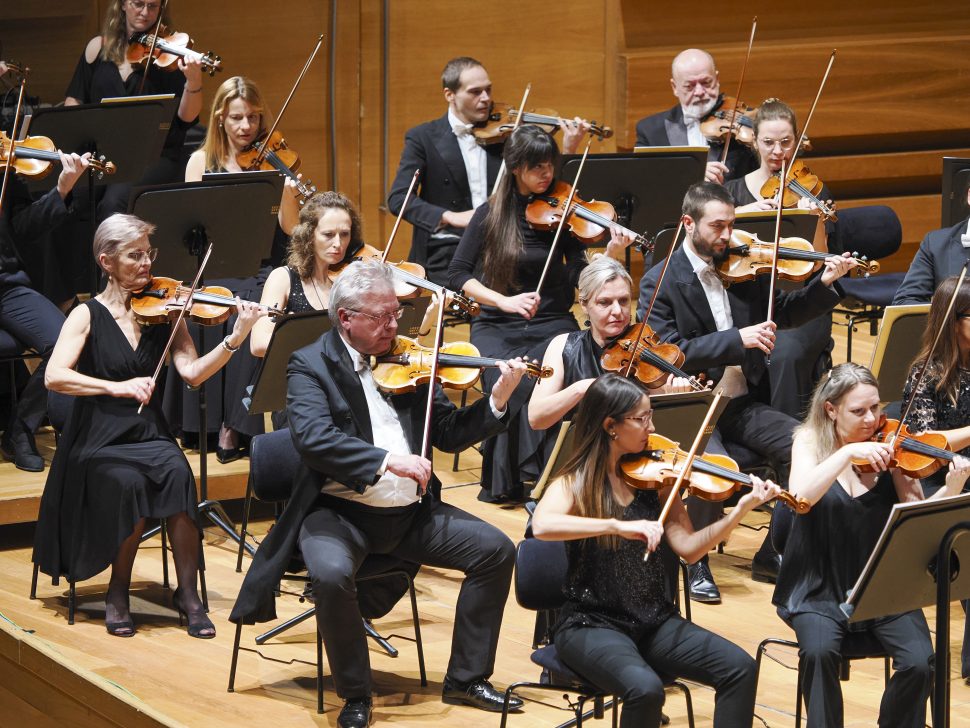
(205, 591)
(280, 628)
(235, 659)
(71, 601)
(243, 532)
(319, 670)
(686, 578)
(885, 671)
(690, 703)
(417, 632)
(798, 696)
(33, 582)
(163, 531)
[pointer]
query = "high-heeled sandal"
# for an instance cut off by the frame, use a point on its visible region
(201, 624)
(125, 628)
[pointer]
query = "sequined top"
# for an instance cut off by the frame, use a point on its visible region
(297, 302)
(933, 410)
(617, 589)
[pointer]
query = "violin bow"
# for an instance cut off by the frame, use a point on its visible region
(515, 125)
(641, 327)
(14, 131)
(565, 214)
(685, 469)
(429, 411)
(737, 98)
(400, 215)
(151, 47)
(175, 327)
(936, 340)
(774, 258)
(811, 112)
(261, 152)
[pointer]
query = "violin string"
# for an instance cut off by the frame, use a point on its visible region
(658, 361)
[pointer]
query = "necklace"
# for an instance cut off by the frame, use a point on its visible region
(316, 290)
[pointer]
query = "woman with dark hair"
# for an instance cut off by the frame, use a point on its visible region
(829, 546)
(618, 628)
(499, 262)
(942, 403)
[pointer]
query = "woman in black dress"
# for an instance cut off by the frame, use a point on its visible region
(499, 262)
(828, 548)
(115, 467)
(618, 629)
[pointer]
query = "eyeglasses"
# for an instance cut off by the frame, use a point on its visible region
(138, 6)
(136, 256)
(383, 319)
(785, 143)
(643, 420)
(963, 315)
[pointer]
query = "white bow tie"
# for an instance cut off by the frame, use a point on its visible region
(965, 239)
(462, 129)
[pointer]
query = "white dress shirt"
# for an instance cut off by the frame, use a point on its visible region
(475, 159)
(733, 383)
(695, 137)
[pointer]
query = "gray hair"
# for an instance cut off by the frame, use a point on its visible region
(597, 274)
(832, 387)
(360, 278)
(116, 231)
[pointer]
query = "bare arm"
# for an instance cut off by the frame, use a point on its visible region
(276, 292)
(195, 369)
(811, 479)
(550, 400)
(195, 167)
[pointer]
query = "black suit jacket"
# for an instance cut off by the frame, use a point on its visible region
(682, 316)
(940, 255)
(331, 430)
(433, 148)
(667, 129)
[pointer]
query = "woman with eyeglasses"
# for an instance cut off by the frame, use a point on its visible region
(618, 628)
(115, 467)
(942, 403)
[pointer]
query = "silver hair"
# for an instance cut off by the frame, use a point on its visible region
(116, 231)
(597, 274)
(360, 278)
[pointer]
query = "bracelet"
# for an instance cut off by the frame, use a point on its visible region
(229, 347)
(193, 90)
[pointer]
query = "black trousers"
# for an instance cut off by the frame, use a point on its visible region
(906, 638)
(335, 541)
(613, 662)
(33, 319)
(797, 362)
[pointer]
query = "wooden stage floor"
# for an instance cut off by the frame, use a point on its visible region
(59, 675)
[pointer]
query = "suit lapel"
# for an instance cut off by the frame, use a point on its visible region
(348, 383)
(446, 143)
(692, 292)
(676, 131)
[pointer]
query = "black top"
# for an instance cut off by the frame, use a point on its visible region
(558, 290)
(738, 189)
(99, 80)
(828, 548)
(23, 222)
(297, 301)
(580, 360)
(933, 410)
(617, 589)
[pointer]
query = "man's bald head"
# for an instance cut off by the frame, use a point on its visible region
(694, 81)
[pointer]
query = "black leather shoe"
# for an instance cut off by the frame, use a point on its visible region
(356, 713)
(702, 586)
(764, 566)
(228, 454)
(478, 694)
(17, 445)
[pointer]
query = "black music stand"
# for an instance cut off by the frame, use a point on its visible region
(646, 187)
(678, 415)
(921, 549)
(956, 181)
(237, 214)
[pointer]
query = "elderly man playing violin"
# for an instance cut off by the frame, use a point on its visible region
(724, 333)
(457, 174)
(694, 81)
(365, 488)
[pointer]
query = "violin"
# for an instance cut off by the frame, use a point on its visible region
(655, 361)
(34, 156)
(918, 456)
(501, 122)
(408, 366)
(273, 153)
(716, 126)
(749, 256)
(13, 67)
(589, 222)
(712, 477)
(162, 300)
(801, 183)
(166, 48)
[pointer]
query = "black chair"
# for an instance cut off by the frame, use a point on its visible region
(540, 573)
(273, 464)
(855, 645)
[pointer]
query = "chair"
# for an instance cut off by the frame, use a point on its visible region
(273, 463)
(12, 351)
(900, 332)
(540, 572)
(855, 645)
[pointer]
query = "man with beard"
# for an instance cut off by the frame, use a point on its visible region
(724, 333)
(695, 83)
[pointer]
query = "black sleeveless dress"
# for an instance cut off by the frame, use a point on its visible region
(113, 466)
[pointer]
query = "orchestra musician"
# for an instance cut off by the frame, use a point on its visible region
(499, 263)
(457, 174)
(618, 629)
(24, 313)
(724, 333)
(942, 403)
(115, 467)
(941, 254)
(694, 81)
(828, 547)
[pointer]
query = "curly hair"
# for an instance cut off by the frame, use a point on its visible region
(300, 254)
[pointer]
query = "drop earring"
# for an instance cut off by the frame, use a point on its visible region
(612, 434)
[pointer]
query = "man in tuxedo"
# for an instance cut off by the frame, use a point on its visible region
(943, 253)
(364, 488)
(457, 174)
(694, 81)
(725, 334)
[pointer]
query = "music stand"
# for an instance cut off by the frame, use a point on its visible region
(900, 332)
(956, 181)
(919, 547)
(238, 214)
(268, 393)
